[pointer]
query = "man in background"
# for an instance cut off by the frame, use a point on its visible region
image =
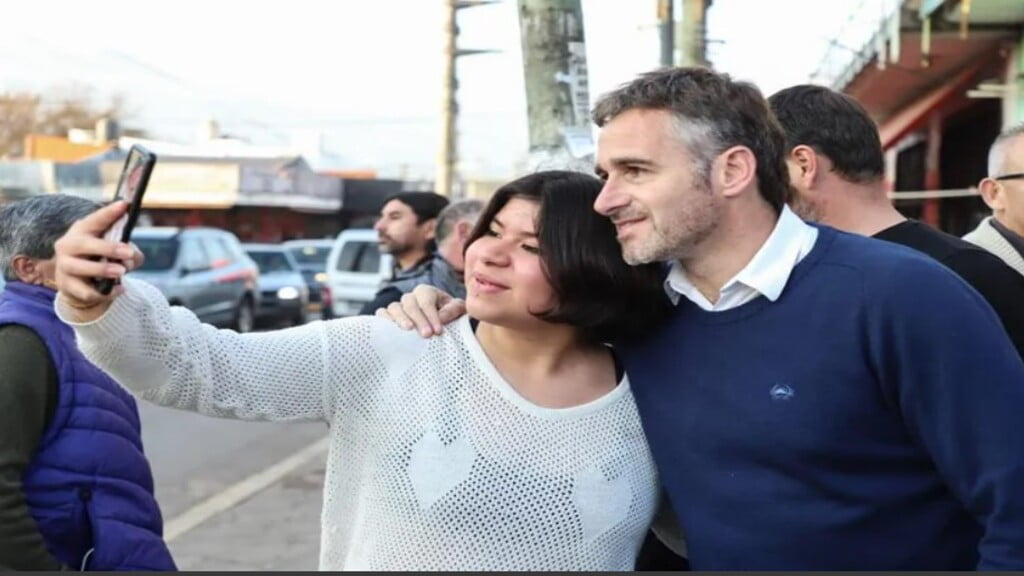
(837, 170)
(1003, 191)
(406, 230)
(76, 490)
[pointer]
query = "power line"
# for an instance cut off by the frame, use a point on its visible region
(153, 71)
(113, 56)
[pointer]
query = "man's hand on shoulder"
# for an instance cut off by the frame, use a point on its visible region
(425, 309)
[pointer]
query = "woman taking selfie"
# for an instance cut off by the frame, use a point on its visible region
(509, 442)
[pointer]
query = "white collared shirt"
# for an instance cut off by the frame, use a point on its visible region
(765, 275)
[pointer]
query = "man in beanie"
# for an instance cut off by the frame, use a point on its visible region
(406, 231)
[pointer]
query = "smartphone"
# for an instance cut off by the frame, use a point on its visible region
(131, 187)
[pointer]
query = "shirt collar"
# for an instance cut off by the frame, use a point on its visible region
(768, 271)
(1015, 240)
(421, 266)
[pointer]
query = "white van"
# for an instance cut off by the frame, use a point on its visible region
(356, 270)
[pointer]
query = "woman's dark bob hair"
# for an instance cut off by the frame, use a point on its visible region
(609, 300)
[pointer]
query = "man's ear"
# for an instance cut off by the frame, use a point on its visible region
(463, 229)
(806, 160)
(27, 269)
(429, 227)
(735, 170)
(992, 193)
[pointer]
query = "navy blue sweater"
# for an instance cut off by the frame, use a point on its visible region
(868, 419)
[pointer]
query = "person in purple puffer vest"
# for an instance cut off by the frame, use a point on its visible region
(76, 490)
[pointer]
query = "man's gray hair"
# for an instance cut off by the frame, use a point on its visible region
(463, 210)
(996, 158)
(711, 113)
(32, 226)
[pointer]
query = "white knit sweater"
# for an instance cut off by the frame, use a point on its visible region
(435, 462)
(986, 236)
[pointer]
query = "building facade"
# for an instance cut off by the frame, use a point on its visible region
(941, 78)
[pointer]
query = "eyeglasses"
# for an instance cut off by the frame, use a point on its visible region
(1015, 176)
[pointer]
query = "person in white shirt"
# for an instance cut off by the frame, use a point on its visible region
(510, 443)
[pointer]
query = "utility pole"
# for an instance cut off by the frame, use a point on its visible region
(666, 32)
(557, 89)
(691, 39)
(448, 157)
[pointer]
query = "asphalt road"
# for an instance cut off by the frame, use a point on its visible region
(195, 457)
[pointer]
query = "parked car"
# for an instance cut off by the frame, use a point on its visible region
(312, 258)
(203, 269)
(356, 268)
(283, 291)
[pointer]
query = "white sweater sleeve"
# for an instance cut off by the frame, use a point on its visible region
(167, 356)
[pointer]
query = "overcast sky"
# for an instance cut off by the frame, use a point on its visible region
(366, 73)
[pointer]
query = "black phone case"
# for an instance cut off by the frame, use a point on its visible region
(106, 285)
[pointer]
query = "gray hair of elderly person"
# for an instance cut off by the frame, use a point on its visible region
(32, 226)
(997, 151)
(463, 210)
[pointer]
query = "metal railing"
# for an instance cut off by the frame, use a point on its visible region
(926, 194)
(863, 36)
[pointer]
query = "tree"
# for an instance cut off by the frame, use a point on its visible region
(19, 114)
(55, 113)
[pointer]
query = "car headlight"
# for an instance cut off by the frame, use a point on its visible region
(321, 277)
(288, 293)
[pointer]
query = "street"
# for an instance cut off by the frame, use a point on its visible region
(236, 495)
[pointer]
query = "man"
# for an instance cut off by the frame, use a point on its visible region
(76, 490)
(808, 404)
(1003, 191)
(454, 225)
(837, 169)
(405, 230)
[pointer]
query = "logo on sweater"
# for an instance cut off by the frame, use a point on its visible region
(781, 392)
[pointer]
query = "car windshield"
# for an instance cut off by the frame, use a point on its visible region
(311, 256)
(270, 262)
(160, 253)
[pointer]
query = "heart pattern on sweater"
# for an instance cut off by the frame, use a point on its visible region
(601, 502)
(435, 468)
(399, 349)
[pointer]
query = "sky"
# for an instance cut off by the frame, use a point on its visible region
(365, 75)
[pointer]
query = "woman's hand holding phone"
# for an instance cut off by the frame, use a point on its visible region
(83, 254)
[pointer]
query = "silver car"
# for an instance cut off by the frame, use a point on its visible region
(203, 269)
(284, 294)
(311, 256)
